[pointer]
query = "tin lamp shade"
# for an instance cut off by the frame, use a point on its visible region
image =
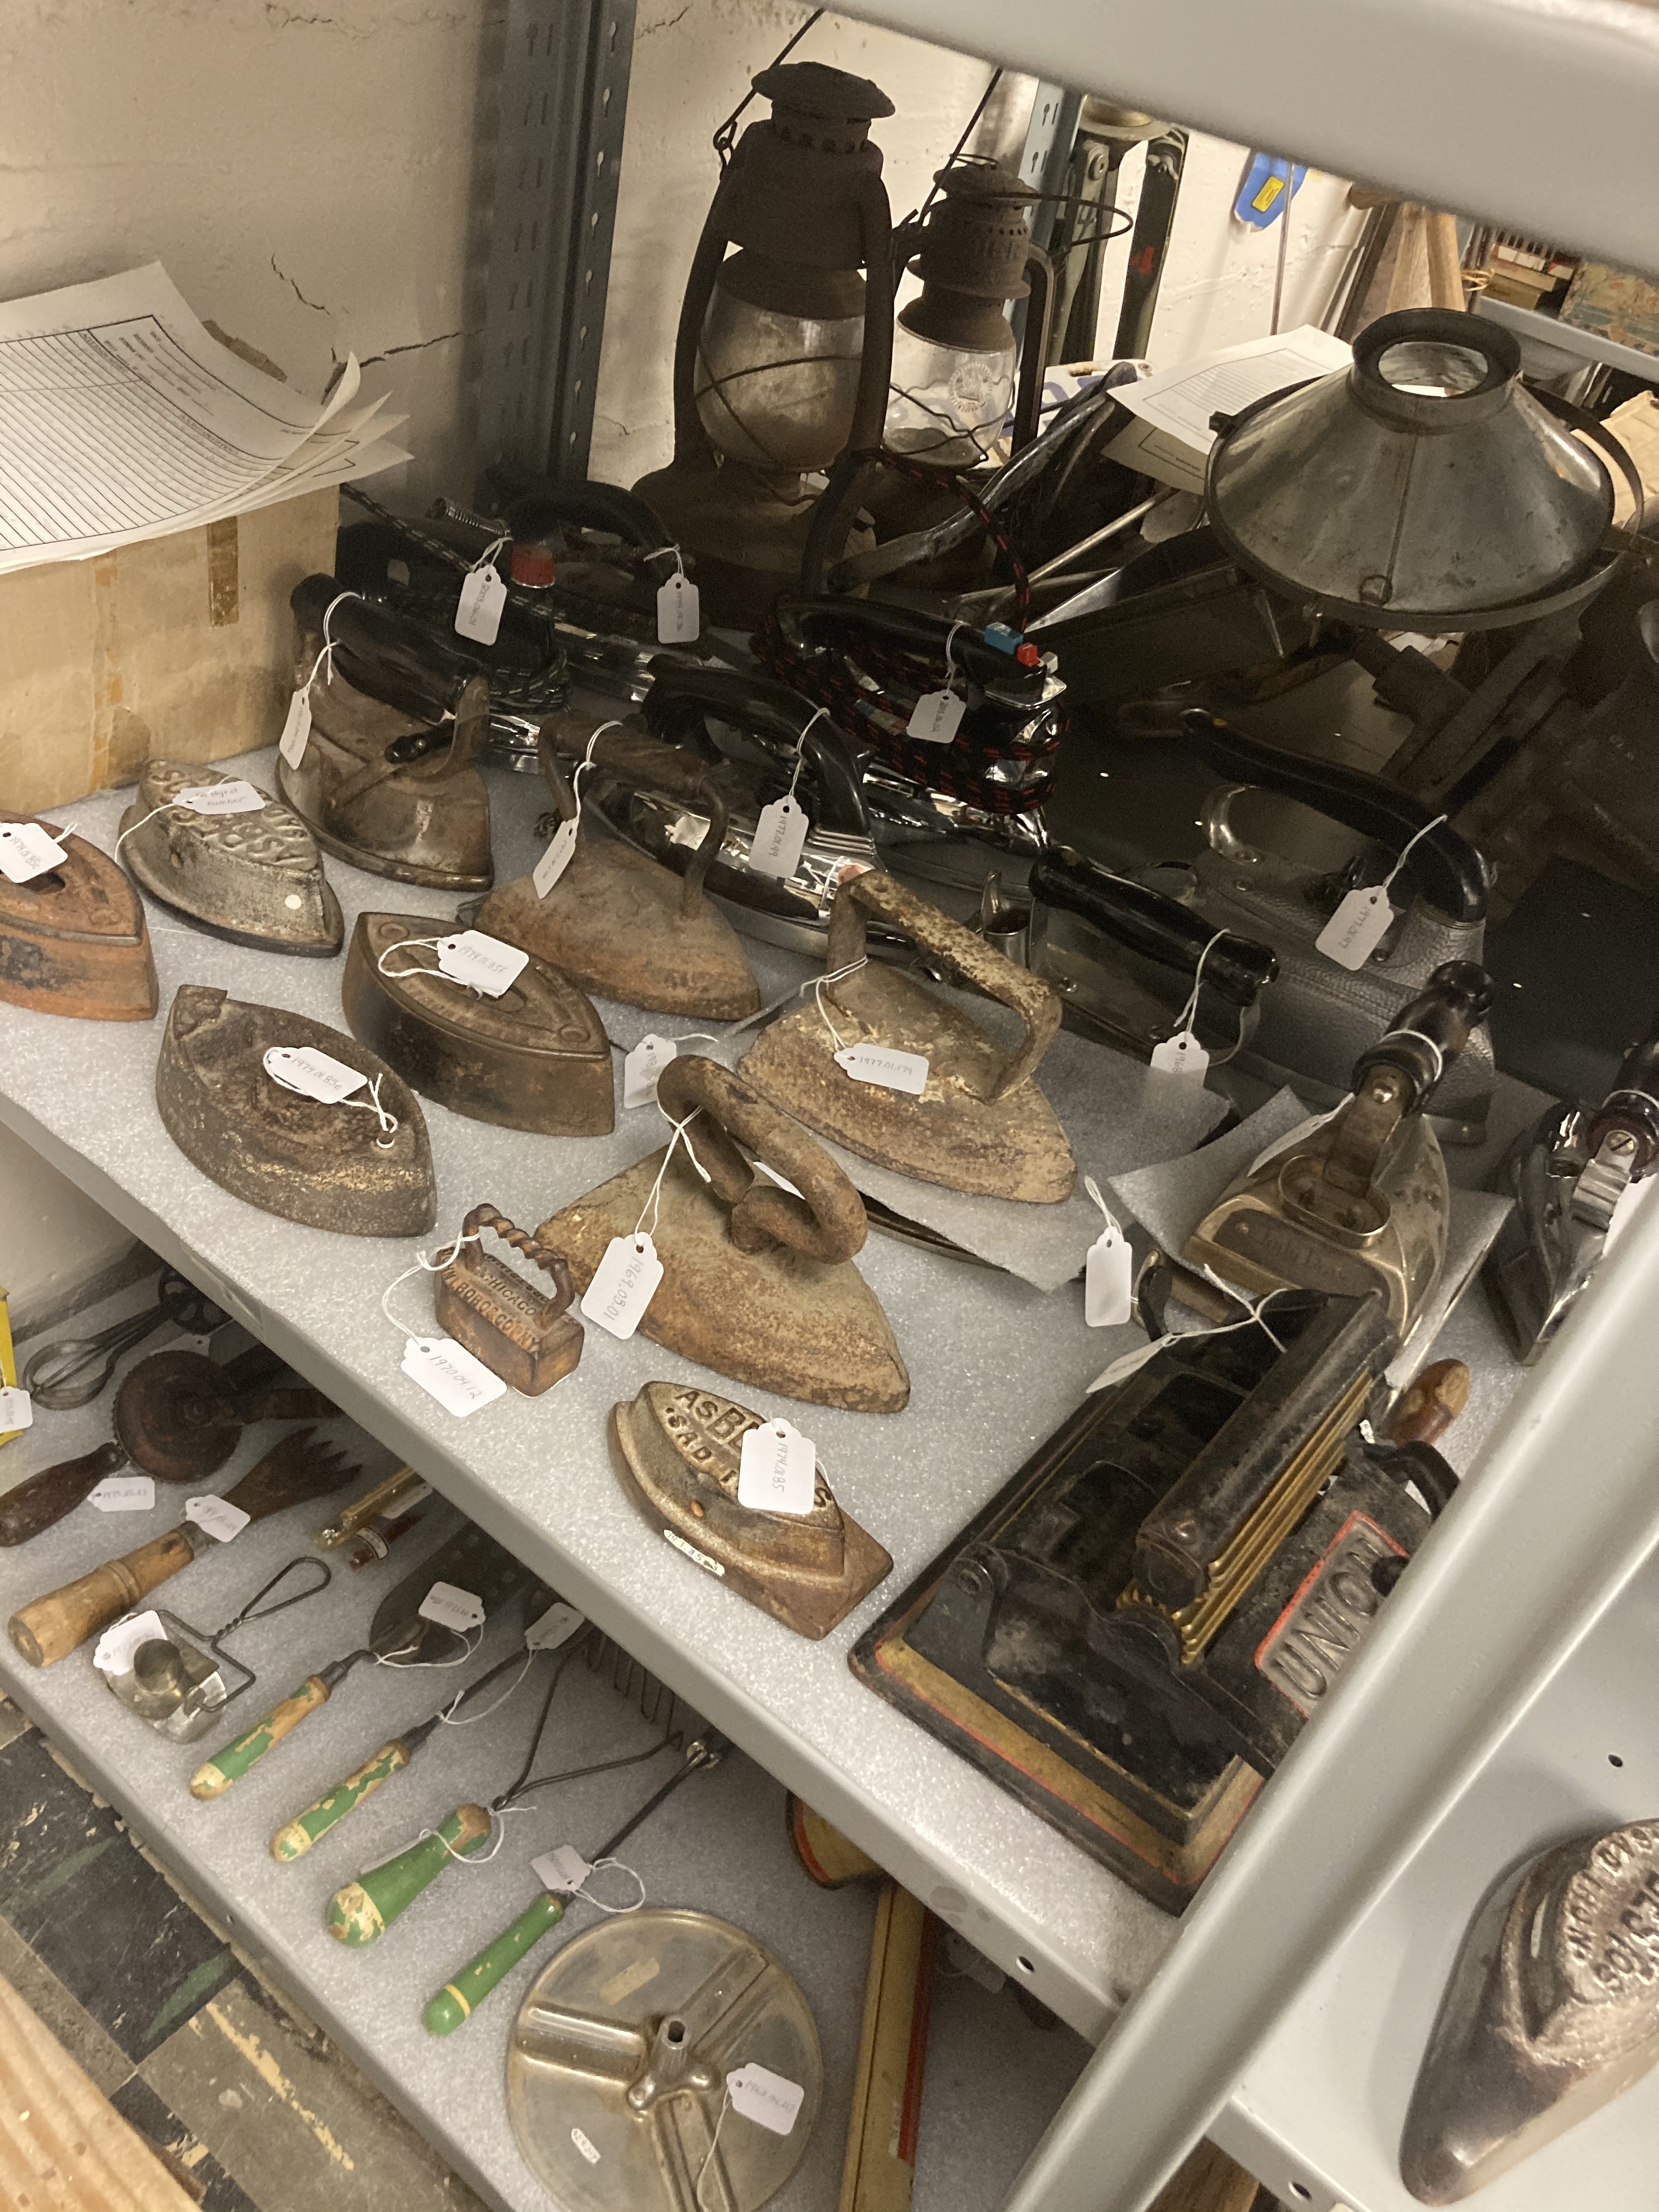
(1422, 487)
(784, 348)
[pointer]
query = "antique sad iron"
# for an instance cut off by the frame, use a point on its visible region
(1551, 2013)
(359, 1163)
(678, 1450)
(1360, 1201)
(530, 1339)
(387, 778)
(979, 1123)
(534, 1056)
(619, 923)
(73, 939)
(1131, 1636)
(1127, 960)
(1567, 1176)
(253, 879)
(756, 1284)
(180, 1679)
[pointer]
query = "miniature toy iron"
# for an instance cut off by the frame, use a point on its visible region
(180, 1681)
(1567, 1174)
(678, 1450)
(619, 924)
(756, 1284)
(1131, 1636)
(979, 1124)
(1359, 1201)
(253, 879)
(531, 1341)
(1549, 2015)
(533, 1057)
(361, 1166)
(387, 778)
(73, 939)
(627, 2044)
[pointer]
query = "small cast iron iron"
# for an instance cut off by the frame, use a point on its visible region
(254, 878)
(980, 1124)
(619, 923)
(536, 1057)
(1361, 1200)
(1131, 1636)
(756, 1284)
(330, 1166)
(1550, 2013)
(531, 1341)
(386, 780)
(73, 941)
(678, 1450)
(1567, 1174)
(181, 1682)
(625, 2045)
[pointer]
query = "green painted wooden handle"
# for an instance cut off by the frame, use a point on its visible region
(366, 1907)
(295, 1838)
(230, 1764)
(458, 2000)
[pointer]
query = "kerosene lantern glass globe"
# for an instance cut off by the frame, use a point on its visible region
(950, 402)
(777, 366)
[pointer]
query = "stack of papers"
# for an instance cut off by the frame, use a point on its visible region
(122, 418)
(1172, 437)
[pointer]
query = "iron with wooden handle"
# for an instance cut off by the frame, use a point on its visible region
(48, 1628)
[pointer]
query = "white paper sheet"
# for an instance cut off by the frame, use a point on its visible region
(1172, 438)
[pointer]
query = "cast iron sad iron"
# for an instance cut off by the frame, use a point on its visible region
(533, 1057)
(361, 1165)
(749, 734)
(1359, 1201)
(620, 924)
(756, 1284)
(387, 778)
(1567, 1176)
(678, 1451)
(253, 879)
(1123, 957)
(1550, 2013)
(1131, 1636)
(979, 1124)
(73, 939)
(1319, 1015)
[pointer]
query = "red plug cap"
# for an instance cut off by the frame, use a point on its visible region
(532, 565)
(1028, 655)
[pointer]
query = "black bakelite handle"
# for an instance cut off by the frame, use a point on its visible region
(383, 653)
(1149, 922)
(1639, 1069)
(1444, 868)
(809, 625)
(1633, 1103)
(590, 505)
(683, 696)
(1430, 1030)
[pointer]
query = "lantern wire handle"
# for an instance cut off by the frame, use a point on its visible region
(920, 216)
(726, 137)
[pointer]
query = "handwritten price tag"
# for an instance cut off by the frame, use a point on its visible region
(1106, 1280)
(484, 962)
(217, 1516)
(679, 617)
(880, 1063)
(554, 1627)
(453, 1607)
(26, 851)
(767, 2098)
(936, 718)
(779, 834)
(1357, 928)
(642, 1068)
(778, 1469)
(112, 1654)
(122, 1494)
(478, 611)
(561, 851)
(1182, 1055)
(625, 1282)
(447, 1371)
(233, 796)
(296, 731)
(312, 1073)
(564, 1870)
(16, 1410)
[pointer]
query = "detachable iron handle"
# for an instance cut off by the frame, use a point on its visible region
(824, 625)
(683, 697)
(552, 1262)
(1443, 868)
(1430, 1030)
(646, 761)
(41, 1502)
(1153, 924)
(826, 1222)
(366, 1908)
(538, 513)
(380, 651)
(1632, 1105)
(875, 894)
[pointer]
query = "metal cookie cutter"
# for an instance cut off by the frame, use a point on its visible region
(529, 1339)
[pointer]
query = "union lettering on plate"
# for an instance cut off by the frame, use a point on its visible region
(1320, 1629)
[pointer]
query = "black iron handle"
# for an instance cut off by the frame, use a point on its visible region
(809, 625)
(1149, 922)
(683, 696)
(1430, 1030)
(590, 505)
(382, 652)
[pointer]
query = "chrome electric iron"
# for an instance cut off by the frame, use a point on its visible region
(1567, 1176)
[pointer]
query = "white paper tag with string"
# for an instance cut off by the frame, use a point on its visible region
(122, 1494)
(1130, 1364)
(16, 1409)
(1107, 1270)
(447, 1371)
(221, 1520)
(561, 851)
(778, 1470)
(642, 1066)
(452, 1606)
(554, 1627)
(112, 1653)
(770, 2099)
(625, 1282)
(312, 1073)
(478, 610)
(564, 1870)
(296, 729)
(26, 851)
(1183, 1055)
(883, 1064)
(1294, 1136)
(680, 616)
(233, 796)
(779, 834)
(484, 962)
(1361, 921)
(936, 718)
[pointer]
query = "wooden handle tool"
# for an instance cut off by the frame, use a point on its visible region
(366, 1908)
(216, 1776)
(1430, 1403)
(36, 1504)
(295, 1836)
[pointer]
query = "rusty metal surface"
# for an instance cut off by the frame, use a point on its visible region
(757, 1285)
(535, 1057)
(179, 1415)
(256, 878)
(73, 941)
(981, 1125)
(530, 1339)
(322, 1165)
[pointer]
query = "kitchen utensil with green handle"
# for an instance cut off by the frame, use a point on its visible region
(295, 1836)
(215, 1775)
(366, 1908)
